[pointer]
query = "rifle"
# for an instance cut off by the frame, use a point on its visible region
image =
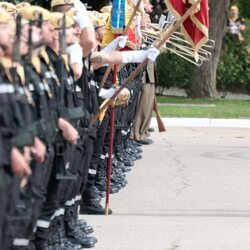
(161, 126)
(17, 73)
(62, 172)
(160, 123)
(30, 42)
(62, 51)
(16, 60)
(40, 20)
(63, 45)
(16, 56)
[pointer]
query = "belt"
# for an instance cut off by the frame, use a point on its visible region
(44, 129)
(81, 130)
(23, 139)
(71, 113)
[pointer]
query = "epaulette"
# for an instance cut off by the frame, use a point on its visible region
(7, 64)
(21, 73)
(66, 62)
(35, 60)
(45, 56)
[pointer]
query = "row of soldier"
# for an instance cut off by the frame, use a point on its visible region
(53, 159)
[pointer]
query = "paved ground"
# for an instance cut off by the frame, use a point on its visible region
(203, 122)
(191, 191)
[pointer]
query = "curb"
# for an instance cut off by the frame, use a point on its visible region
(203, 122)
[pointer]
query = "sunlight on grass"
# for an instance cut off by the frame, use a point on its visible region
(204, 108)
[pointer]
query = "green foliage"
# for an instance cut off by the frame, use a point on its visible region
(173, 71)
(203, 108)
(234, 66)
(244, 8)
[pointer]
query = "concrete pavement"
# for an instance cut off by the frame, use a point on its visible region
(203, 122)
(191, 191)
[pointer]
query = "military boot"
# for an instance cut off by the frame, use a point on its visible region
(91, 193)
(134, 146)
(81, 224)
(93, 208)
(101, 183)
(119, 153)
(76, 236)
(58, 240)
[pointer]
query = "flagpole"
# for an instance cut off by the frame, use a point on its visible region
(111, 144)
(112, 114)
(144, 63)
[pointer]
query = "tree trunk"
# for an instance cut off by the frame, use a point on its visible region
(204, 78)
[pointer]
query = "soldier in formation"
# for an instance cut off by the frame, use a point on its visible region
(53, 158)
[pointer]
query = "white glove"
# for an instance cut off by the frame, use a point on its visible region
(81, 17)
(79, 6)
(119, 41)
(139, 56)
(152, 54)
(122, 40)
(107, 93)
(133, 56)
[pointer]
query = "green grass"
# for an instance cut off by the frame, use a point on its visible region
(206, 108)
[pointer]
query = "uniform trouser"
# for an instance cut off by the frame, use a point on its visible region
(120, 118)
(98, 150)
(31, 198)
(136, 89)
(88, 157)
(125, 117)
(144, 112)
(39, 183)
(62, 194)
(53, 206)
(17, 217)
(79, 165)
(103, 150)
(4, 195)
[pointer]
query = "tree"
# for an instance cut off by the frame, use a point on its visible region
(204, 78)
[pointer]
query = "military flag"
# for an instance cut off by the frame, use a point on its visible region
(118, 16)
(195, 27)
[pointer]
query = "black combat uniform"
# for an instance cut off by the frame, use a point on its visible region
(14, 124)
(66, 189)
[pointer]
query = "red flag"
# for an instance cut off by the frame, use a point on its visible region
(195, 28)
